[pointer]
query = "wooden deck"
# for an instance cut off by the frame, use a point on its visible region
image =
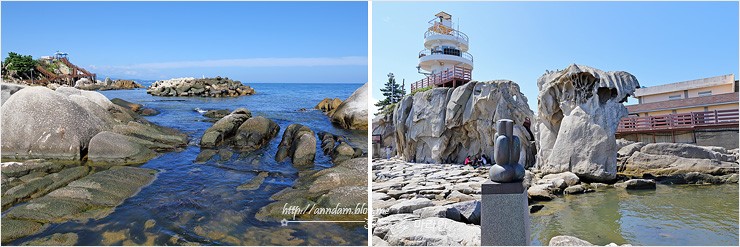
(449, 78)
(678, 122)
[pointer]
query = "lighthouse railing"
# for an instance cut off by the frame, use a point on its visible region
(452, 32)
(451, 52)
(458, 74)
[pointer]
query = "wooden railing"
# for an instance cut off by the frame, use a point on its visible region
(683, 121)
(460, 74)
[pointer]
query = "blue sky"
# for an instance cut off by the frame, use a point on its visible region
(248, 41)
(658, 42)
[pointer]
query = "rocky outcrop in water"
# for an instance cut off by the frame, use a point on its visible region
(328, 105)
(239, 131)
(209, 87)
(134, 107)
(445, 125)
(108, 84)
(352, 113)
(38, 122)
(679, 163)
(298, 144)
(581, 107)
(61, 193)
(338, 148)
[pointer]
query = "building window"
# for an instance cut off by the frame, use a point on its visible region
(705, 93)
(674, 97)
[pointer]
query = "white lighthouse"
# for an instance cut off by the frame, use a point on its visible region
(445, 59)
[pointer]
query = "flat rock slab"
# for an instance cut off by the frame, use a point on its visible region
(93, 196)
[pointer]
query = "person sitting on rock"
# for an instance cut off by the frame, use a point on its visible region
(527, 124)
(484, 160)
(467, 160)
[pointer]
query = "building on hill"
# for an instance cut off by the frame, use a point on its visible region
(445, 60)
(702, 112)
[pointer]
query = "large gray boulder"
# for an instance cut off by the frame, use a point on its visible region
(564, 240)
(7, 89)
(581, 107)
(299, 144)
(445, 125)
(38, 122)
(352, 113)
(679, 163)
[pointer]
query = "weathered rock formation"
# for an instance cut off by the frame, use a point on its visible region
(678, 163)
(134, 107)
(352, 113)
(445, 125)
(298, 144)
(209, 87)
(383, 126)
(580, 107)
(38, 122)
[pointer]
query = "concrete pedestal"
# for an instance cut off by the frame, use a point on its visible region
(504, 214)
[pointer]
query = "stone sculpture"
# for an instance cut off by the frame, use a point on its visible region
(506, 154)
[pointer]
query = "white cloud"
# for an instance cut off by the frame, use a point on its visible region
(249, 62)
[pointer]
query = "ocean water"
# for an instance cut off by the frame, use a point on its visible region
(198, 203)
(669, 215)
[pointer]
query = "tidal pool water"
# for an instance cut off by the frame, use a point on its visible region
(669, 215)
(191, 203)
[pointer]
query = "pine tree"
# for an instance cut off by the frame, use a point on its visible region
(392, 91)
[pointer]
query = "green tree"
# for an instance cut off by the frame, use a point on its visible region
(392, 91)
(22, 65)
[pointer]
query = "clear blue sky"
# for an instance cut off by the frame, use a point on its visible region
(658, 42)
(248, 41)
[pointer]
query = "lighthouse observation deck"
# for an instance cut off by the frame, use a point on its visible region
(445, 58)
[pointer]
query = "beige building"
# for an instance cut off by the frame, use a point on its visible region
(702, 95)
(703, 112)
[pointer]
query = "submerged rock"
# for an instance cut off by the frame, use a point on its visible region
(93, 196)
(352, 113)
(581, 107)
(299, 144)
(637, 184)
(254, 183)
(56, 239)
(564, 240)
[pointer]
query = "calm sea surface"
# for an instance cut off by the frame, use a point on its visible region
(669, 215)
(199, 203)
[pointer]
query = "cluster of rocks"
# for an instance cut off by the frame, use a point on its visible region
(349, 114)
(445, 125)
(237, 130)
(564, 240)
(581, 107)
(58, 136)
(208, 87)
(338, 148)
(73, 124)
(108, 84)
(678, 163)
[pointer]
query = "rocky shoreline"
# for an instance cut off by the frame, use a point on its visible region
(207, 87)
(72, 148)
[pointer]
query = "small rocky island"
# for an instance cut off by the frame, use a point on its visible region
(207, 87)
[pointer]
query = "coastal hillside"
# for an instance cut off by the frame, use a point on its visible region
(54, 71)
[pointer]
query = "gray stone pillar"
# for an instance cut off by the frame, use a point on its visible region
(504, 214)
